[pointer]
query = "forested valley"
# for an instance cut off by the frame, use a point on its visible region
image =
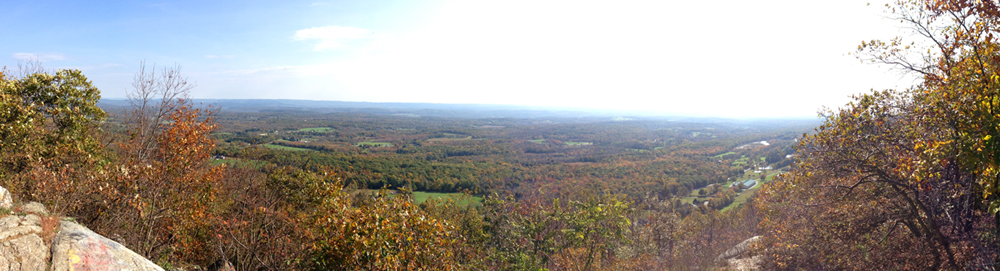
(491, 193)
(899, 179)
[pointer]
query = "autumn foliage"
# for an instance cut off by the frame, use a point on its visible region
(902, 179)
(896, 180)
(143, 177)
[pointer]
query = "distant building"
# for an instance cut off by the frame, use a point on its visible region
(749, 183)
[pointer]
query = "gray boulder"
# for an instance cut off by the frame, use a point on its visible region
(21, 248)
(77, 248)
(35, 208)
(6, 201)
(739, 249)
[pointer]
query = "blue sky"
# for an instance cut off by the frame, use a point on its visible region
(701, 58)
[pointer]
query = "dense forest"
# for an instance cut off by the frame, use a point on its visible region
(896, 179)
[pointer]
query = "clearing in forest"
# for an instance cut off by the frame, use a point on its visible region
(421, 197)
(721, 155)
(742, 198)
(316, 129)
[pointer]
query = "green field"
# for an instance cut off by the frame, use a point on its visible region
(694, 193)
(421, 197)
(741, 199)
(750, 175)
(771, 176)
(374, 144)
(316, 129)
(742, 161)
(571, 143)
(538, 141)
(287, 148)
(721, 155)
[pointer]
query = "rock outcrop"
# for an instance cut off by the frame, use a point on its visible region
(737, 257)
(73, 247)
(77, 248)
(739, 249)
(21, 247)
(34, 208)
(6, 200)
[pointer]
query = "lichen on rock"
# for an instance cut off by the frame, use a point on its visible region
(74, 247)
(20, 246)
(77, 248)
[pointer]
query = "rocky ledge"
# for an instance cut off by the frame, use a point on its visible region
(72, 246)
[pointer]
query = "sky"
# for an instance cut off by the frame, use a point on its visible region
(726, 58)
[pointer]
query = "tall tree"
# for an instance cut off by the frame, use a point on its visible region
(909, 174)
(48, 123)
(959, 64)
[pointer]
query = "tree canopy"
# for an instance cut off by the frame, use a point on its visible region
(902, 179)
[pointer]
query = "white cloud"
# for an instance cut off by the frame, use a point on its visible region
(39, 57)
(331, 37)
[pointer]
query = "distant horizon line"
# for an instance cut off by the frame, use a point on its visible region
(622, 112)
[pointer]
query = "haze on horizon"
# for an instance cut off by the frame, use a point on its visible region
(742, 59)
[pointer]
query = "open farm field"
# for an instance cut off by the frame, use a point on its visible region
(724, 154)
(316, 129)
(742, 161)
(421, 197)
(741, 199)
